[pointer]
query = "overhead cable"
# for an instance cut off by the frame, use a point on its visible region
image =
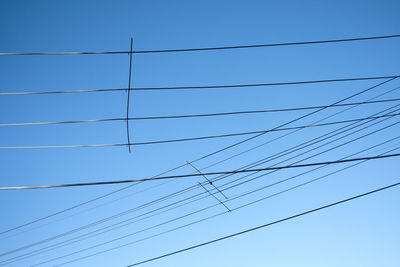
(102, 230)
(203, 49)
(211, 154)
(84, 236)
(64, 243)
(224, 185)
(195, 174)
(267, 224)
(201, 115)
(202, 87)
(198, 138)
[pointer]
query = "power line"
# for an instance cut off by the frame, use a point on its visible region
(200, 220)
(129, 93)
(294, 131)
(68, 242)
(198, 138)
(317, 154)
(61, 211)
(131, 210)
(203, 49)
(194, 174)
(88, 235)
(49, 248)
(201, 115)
(203, 87)
(208, 155)
(317, 140)
(267, 224)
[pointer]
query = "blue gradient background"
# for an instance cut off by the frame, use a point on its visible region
(361, 233)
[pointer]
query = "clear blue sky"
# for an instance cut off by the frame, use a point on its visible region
(361, 233)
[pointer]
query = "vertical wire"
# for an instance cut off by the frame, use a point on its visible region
(127, 102)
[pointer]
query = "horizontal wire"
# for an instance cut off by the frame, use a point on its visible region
(197, 221)
(267, 224)
(124, 213)
(201, 49)
(210, 217)
(67, 242)
(314, 122)
(207, 218)
(203, 87)
(213, 179)
(213, 153)
(194, 174)
(273, 165)
(201, 115)
(197, 138)
(319, 153)
(323, 137)
(80, 237)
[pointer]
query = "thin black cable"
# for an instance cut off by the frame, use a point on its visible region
(200, 115)
(208, 180)
(196, 138)
(61, 211)
(294, 131)
(182, 191)
(218, 200)
(202, 87)
(201, 220)
(67, 242)
(180, 227)
(294, 120)
(253, 178)
(198, 159)
(329, 149)
(303, 145)
(312, 156)
(267, 224)
(203, 49)
(127, 101)
(314, 141)
(191, 175)
(296, 162)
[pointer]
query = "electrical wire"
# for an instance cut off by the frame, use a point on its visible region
(191, 175)
(225, 148)
(197, 138)
(96, 232)
(200, 115)
(203, 49)
(256, 177)
(315, 141)
(198, 159)
(267, 224)
(213, 216)
(201, 87)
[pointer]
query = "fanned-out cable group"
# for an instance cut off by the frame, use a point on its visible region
(180, 166)
(333, 134)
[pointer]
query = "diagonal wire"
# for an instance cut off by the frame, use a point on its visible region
(267, 224)
(198, 159)
(296, 162)
(213, 216)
